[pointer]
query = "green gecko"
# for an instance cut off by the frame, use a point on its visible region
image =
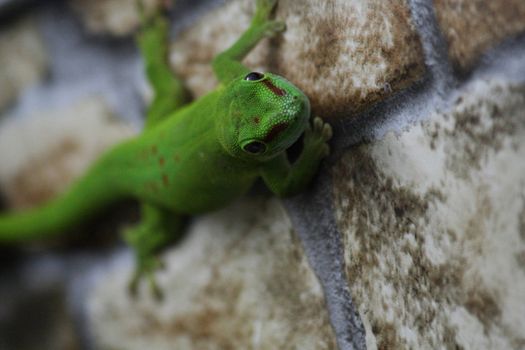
(193, 157)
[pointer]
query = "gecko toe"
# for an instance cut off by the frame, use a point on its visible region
(156, 291)
(133, 285)
(274, 27)
(318, 124)
(327, 132)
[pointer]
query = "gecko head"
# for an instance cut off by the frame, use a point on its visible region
(261, 115)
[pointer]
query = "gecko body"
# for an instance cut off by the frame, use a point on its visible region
(193, 157)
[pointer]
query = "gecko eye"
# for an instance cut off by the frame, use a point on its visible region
(254, 147)
(254, 76)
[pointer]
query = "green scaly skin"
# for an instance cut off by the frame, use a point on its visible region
(191, 157)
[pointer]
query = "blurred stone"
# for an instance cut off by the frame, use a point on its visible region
(34, 313)
(114, 17)
(433, 226)
(23, 59)
(344, 54)
(473, 26)
(240, 280)
(42, 154)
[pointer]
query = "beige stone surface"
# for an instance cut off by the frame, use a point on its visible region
(114, 17)
(433, 226)
(23, 59)
(473, 26)
(344, 54)
(42, 153)
(240, 280)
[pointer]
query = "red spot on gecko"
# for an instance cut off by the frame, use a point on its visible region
(154, 149)
(161, 161)
(273, 88)
(165, 180)
(176, 158)
(256, 120)
(274, 131)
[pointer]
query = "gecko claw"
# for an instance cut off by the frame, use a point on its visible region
(145, 270)
(272, 28)
(156, 291)
(318, 124)
(133, 285)
(327, 132)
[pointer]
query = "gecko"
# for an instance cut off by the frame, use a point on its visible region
(192, 156)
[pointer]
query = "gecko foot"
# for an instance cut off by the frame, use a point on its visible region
(273, 28)
(263, 11)
(146, 240)
(146, 269)
(316, 137)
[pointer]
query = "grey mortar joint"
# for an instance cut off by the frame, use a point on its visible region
(312, 213)
(312, 217)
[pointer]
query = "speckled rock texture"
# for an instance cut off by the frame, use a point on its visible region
(411, 236)
(344, 54)
(432, 220)
(23, 59)
(473, 26)
(240, 280)
(113, 17)
(42, 154)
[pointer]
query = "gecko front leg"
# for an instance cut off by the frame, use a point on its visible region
(284, 179)
(227, 65)
(153, 41)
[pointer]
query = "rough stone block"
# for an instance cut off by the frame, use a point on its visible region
(240, 280)
(433, 224)
(344, 54)
(42, 154)
(23, 59)
(114, 17)
(473, 26)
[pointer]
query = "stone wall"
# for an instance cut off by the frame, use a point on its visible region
(411, 237)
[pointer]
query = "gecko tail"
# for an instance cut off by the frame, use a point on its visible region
(86, 197)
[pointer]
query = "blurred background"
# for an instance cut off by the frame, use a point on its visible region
(71, 82)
